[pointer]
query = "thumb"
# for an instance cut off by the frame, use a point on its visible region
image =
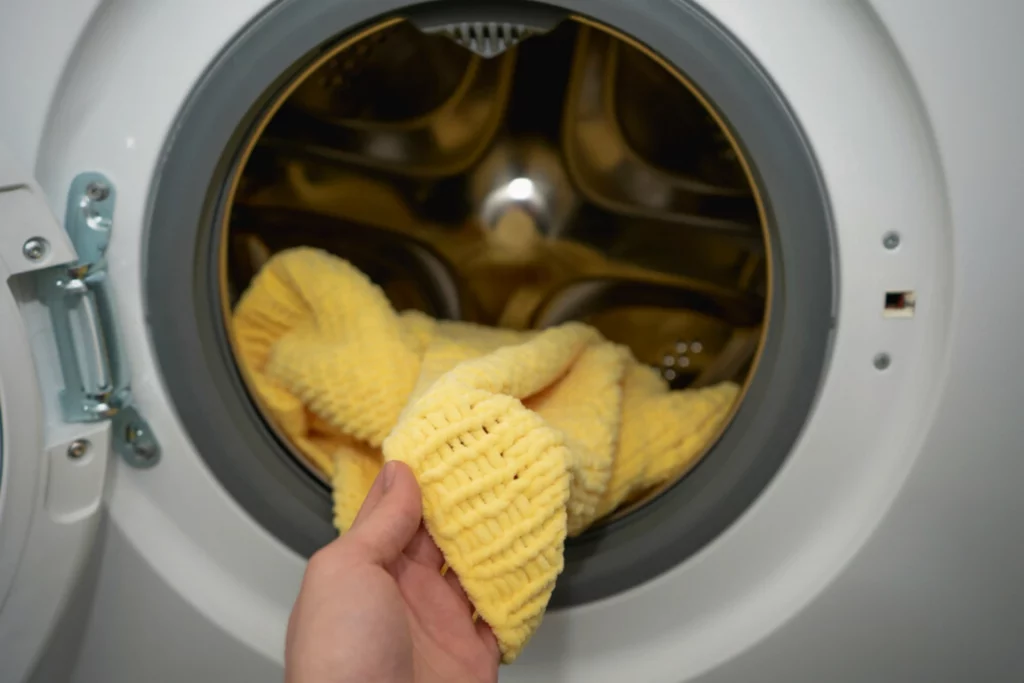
(389, 517)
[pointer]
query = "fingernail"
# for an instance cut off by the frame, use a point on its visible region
(388, 474)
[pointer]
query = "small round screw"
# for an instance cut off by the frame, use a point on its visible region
(97, 191)
(882, 361)
(140, 443)
(35, 249)
(891, 240)
(78, 448)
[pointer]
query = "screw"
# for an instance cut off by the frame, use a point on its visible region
(78, 448)
(97, 191)
(882, 361)
(35, 249)
(140, 442)
(891, 240)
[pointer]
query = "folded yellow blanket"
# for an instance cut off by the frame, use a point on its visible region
(518, 439)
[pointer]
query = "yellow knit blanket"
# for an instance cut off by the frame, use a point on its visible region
(518, 439)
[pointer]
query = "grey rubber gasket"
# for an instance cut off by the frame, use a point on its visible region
(183, 310)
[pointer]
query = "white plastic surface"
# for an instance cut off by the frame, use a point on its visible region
(39, 39)
(888, 535)
(49, 505)
(935, 593)
(26, 215)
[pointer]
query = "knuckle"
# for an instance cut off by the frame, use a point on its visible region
(326, 560)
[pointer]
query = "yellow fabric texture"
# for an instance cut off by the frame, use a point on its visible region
(518, 439)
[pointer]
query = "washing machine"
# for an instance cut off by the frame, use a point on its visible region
(817, 199)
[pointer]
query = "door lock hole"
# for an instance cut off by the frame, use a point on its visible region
(900, 304)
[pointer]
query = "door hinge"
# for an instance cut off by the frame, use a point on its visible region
(79, 297)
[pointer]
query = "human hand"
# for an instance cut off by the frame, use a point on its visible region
(374, 607)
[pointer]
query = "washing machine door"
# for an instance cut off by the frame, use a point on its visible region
(54, 432)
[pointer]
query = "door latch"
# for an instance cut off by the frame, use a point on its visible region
(79, 297)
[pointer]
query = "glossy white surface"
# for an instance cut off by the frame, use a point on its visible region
(50, 505)
(39, 38)
(886, 549)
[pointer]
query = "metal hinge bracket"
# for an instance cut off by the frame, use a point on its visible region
(78, 295)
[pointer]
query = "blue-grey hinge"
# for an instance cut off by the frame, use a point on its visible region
(95, 368)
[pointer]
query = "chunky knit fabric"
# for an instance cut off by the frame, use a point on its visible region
(518, 439)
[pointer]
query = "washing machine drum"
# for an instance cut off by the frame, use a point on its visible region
(519, 169)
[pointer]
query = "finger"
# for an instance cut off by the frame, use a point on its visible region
(486, 636)
(422, 550)
(381, 533)
(453, 582)
(373, 497)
